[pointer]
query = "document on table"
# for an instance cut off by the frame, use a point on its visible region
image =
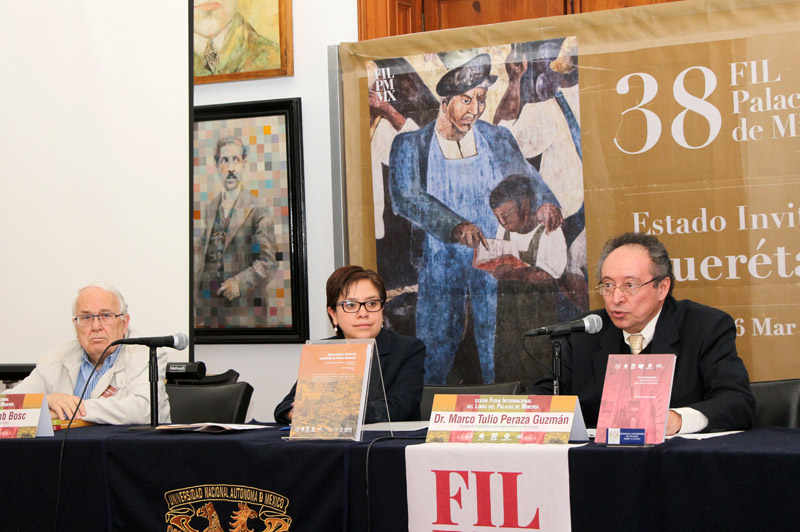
(210, 427)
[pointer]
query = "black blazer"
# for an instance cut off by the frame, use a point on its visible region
(403, 364)
(709, 375)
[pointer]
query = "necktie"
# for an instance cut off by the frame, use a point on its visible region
(211, 56)
(636, 341)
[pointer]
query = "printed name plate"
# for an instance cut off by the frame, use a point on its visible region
(506, 419)
(24, 416)
(621, 436)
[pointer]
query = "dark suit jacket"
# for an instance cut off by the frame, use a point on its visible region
(403, 364)
(249, 252)
(709, 375)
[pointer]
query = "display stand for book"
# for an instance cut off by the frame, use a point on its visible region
(556, 341)
(339, 386)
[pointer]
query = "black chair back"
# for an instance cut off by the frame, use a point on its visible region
(430, 390)
(777, 403)
(228, 377)
(212, 403)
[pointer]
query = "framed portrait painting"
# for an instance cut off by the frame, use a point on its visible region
(248, 264)
(236, 40)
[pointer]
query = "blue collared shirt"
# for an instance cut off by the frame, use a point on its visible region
(86, 370)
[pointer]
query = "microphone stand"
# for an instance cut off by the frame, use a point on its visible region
(556, 341)
(153, 363)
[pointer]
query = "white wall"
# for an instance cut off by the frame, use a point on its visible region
(270, 368)
(94, 144)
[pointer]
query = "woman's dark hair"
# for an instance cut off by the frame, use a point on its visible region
(341, 280)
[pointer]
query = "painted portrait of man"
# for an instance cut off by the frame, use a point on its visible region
(227, 41)
(242, 274)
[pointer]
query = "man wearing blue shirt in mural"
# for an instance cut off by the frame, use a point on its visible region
(442, 187)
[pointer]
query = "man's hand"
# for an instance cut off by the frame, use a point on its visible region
(229, 290)
(63, 405)
(516, 65)
(550, 217)
(674, 422)
(510, 104)
(386, 110)
(468, 234)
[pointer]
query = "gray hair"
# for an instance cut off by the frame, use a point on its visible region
(662, 266)
(228, 141)
(102, 286)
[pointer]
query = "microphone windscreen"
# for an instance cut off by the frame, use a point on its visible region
(181, 341)
(593, 323)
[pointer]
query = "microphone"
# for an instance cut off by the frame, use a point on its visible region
(177, 341)
(590, 324)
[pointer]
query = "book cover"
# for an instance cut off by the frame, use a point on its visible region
(331, 394)
(499, 252)
(636, 394)
(213, 428)
(76, 423)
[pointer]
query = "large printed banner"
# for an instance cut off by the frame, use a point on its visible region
(538, 140)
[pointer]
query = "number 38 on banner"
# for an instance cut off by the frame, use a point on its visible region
(688, 101)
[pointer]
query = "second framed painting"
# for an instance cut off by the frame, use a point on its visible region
(248, 265)
(237, 40)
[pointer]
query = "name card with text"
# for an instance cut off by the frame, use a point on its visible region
(506, 419)
(24, 416)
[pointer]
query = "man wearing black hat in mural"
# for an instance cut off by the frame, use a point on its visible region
(440, 180)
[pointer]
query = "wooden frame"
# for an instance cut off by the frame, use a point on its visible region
(248, 224)
(258, 42)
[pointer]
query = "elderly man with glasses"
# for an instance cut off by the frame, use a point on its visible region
(113, 383)
(710, 389)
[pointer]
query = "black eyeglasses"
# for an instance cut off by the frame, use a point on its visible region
(351, 307)
(106, 318)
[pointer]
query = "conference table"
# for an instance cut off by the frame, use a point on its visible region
(107, 478)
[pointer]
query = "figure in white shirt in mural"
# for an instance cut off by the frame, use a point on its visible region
(528, 278)
(541, 108)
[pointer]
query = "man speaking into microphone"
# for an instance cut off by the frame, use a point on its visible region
(710, 389)
(118, 391)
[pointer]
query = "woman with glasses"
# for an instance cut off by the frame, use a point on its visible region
(355, 308)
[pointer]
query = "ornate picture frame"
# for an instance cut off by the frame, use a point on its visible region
(249, 276)
(237, 40)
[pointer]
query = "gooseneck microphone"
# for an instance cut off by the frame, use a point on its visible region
(177, 341)
(590, 324)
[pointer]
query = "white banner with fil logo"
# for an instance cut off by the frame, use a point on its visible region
(455, 487)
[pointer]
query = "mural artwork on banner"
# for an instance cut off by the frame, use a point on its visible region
(478, 201)
(248, 237)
